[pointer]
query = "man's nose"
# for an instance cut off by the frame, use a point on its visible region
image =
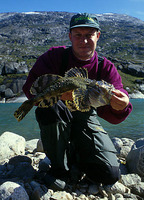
(84, 39)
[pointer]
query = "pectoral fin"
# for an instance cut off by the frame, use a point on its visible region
(81, 100)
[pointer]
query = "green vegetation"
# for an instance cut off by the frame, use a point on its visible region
(129, 80)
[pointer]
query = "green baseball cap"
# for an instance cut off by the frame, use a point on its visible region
(84, 20)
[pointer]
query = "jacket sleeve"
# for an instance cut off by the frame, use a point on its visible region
(35, 72)
(111, 75)
(49, 62)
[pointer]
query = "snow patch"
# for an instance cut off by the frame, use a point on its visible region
(31, 13)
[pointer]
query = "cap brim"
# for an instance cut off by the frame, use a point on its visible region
(85, 25)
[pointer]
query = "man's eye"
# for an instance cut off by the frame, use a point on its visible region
(89, 35)
(78, 35)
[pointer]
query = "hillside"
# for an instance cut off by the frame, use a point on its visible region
(25, 36)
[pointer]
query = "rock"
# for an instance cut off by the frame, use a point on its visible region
(11, 144)
(17, 84)
(44, 164)
(19, 163)
(61, 195)
(141, 87)
(9, 93)
(12, 191)
(136, 95)
(14, 68)
(93, 189)
(40, 146)
(124, 151)
(2, 88)
(119, 196)
(118, 144)
(127, 142)
(39, 192)
(117, 188)
(136, 70)
(131, 197)
(130, 179)
(138, 189)
(123, 146)
(31, 145)
(135, 158)
(27, 170)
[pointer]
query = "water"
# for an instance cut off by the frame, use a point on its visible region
(132, 127)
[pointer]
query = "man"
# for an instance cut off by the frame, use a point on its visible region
(75, 142)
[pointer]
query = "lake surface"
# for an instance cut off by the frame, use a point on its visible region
(132, 127)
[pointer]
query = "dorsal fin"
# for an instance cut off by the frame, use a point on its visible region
(77, 72)
(43, 82)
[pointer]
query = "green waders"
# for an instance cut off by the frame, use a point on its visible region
(78, 138)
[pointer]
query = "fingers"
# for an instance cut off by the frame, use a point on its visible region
(119, 100)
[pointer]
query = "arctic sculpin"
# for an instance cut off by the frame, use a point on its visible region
(48, 89)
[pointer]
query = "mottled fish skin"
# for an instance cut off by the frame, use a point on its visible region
(85, 92)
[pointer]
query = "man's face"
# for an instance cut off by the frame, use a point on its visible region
(84, 42)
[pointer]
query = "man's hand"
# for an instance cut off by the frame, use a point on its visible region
(67, 96)
(119, 100)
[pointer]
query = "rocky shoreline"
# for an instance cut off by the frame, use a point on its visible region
(21, 161)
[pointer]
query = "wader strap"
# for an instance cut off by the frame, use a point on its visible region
(100, 64)
(65, 58)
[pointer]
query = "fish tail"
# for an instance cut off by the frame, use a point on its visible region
(21, 112)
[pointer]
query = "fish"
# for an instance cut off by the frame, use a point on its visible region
(86, 93)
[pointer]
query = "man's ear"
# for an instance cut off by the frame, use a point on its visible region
(70, 36)
(98, 34)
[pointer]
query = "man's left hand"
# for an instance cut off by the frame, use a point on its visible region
(119, 100)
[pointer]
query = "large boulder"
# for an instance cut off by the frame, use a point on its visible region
(17, 84)
(13, 68)
(12, 191)
(136, 70)
(11, 145)
(9, 93)
(135, 158)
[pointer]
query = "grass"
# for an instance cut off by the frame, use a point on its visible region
(129, 80)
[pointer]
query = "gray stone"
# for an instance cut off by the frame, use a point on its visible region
(14, 67)
(130, 179)
(124, 151)
(12, 191)
(44, 164)
(135, 158)
(136, 95)
(40, 146)
(19, 163)
(118, 144)
(127, 142)
(93, 189)
(11, 144)
(9, 93)
(138, 189)
(136, 70)
(31, 145)
(2, 88)
(117, 188)
(61, 195)
(17, 85)
(41, 193)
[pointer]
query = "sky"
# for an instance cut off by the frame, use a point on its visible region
(134, 8)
